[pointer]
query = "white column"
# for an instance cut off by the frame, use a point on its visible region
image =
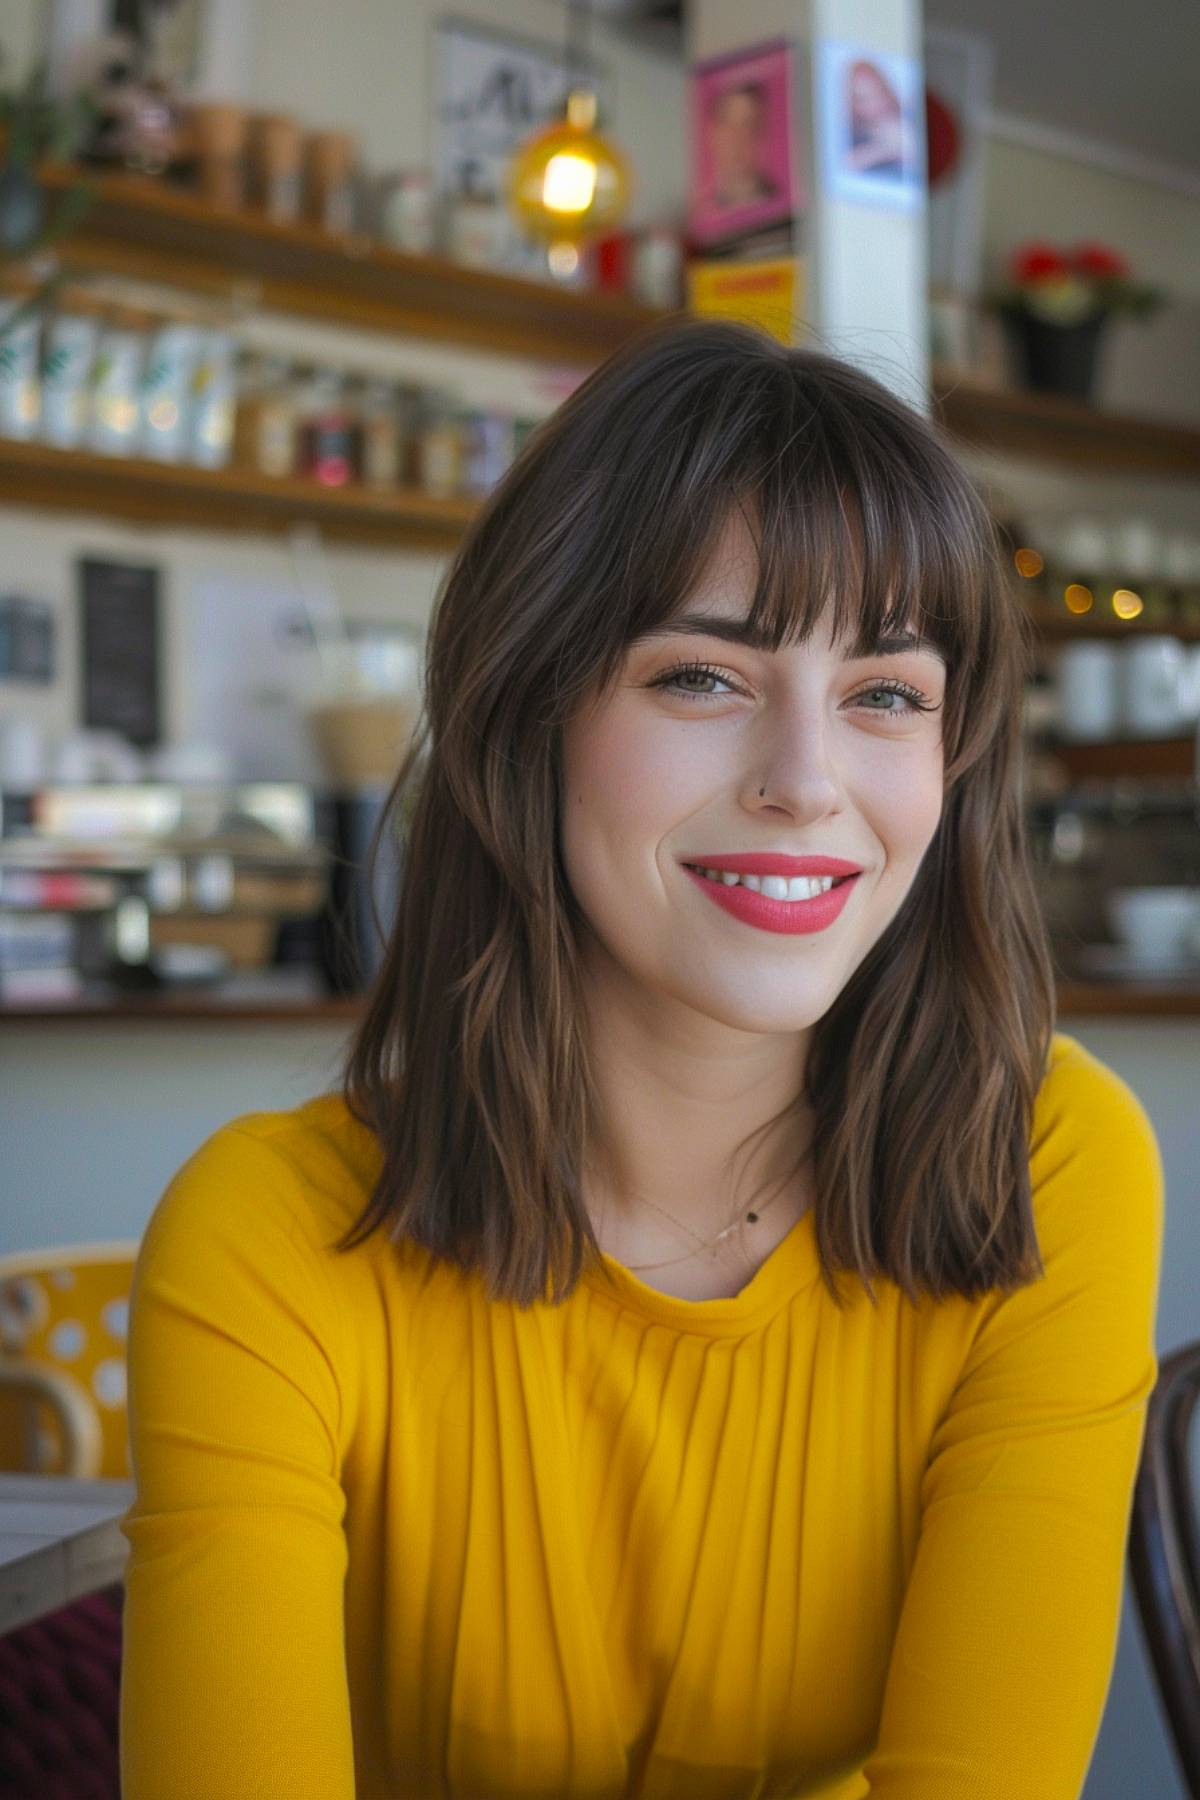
(865, 277)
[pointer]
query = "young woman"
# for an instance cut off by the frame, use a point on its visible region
(703, 1350)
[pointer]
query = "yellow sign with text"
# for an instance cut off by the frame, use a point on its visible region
(767, 294)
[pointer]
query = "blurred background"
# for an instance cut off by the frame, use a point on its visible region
(283, 289)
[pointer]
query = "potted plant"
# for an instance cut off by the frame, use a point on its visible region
(34, 125)
(1055, 305)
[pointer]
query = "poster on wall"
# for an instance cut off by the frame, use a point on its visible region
(492, 90)
(769, 294)
(743, 175)
(871, 126)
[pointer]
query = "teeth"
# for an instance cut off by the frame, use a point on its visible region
(775, 887)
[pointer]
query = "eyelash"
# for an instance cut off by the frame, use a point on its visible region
(918, 702)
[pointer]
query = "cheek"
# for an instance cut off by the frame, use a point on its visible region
(626, 773)
(905, 802)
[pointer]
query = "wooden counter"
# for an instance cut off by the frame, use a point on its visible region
(286, 997)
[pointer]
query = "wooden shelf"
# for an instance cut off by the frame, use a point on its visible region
(229, 499)
(152, 231)
(1049, 428)
(1138, 759)
(1139, 999)
(1061, 627)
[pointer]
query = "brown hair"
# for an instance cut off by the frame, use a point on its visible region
(470, 1064)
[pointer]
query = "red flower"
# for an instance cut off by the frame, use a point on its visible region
(1098, 261)
(1035, 262)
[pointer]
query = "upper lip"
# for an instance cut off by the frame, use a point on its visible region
(770, 862)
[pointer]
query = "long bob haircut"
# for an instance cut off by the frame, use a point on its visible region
(470, 1063)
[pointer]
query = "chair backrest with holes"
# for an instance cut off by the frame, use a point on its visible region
(63, 1313)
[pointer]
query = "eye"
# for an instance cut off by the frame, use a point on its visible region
(670, 682)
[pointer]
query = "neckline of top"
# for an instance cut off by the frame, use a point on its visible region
(790, 1267)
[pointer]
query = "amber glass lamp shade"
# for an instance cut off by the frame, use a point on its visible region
(567, 183)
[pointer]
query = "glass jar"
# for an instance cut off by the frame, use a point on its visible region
(265, 423)
(380, 425)
(329, 437)
(439, 444)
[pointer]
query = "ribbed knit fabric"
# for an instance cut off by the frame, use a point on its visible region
(392, 1539)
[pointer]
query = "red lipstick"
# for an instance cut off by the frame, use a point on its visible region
(786, 916)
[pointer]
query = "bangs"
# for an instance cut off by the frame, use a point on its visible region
(858, 512)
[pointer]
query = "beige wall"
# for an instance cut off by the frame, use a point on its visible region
(370, 62)
(367, 62)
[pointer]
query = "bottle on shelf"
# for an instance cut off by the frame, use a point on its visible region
(115, 410)
(165, 410)
(329, 438)
(214, 398)
(20, 389)
(69, 342)
(439, 457)
(264, 433)
(374, 399)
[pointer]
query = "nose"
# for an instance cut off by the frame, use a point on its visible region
(794, 768)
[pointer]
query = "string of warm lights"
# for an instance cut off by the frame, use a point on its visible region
(1077, 597)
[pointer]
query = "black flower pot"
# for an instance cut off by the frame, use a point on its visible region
(1056, 359)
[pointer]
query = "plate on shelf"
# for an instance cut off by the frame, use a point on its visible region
(1116, 960)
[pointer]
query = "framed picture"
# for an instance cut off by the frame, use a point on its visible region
(743, 175)
(492, 90)
(871, 109)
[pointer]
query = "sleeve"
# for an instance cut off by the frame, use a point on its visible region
(1007, 1634)
(233, 1677)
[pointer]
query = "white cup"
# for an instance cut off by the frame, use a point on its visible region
(1087, 691)
(1155, 924)
(1154, 685)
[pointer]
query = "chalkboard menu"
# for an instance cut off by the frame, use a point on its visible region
(119, 635)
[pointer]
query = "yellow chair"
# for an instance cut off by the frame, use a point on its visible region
(63, 1317)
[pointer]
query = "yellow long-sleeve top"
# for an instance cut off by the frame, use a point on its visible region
(391, 1538)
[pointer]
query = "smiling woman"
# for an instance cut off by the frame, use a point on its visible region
(702, 1349)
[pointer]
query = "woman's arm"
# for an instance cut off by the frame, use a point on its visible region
(1004, 1652)
(234, 1675)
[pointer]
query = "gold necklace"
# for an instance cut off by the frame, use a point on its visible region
(750, 1218)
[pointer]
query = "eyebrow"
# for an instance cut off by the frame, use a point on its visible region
(739, 631)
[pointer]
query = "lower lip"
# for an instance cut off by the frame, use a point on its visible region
(776, 915)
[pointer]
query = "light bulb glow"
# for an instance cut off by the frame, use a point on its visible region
(1078, 598)
(569, 183)
(1126, 604)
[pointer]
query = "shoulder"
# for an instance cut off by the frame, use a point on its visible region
(296, 1177)
(1095, 1163)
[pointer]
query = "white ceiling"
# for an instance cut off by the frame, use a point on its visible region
(1119, 73)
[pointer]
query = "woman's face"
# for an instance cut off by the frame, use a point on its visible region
(653, 779)
(870, 100)
(737, 135)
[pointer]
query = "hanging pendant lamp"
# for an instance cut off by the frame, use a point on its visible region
(567, 183)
